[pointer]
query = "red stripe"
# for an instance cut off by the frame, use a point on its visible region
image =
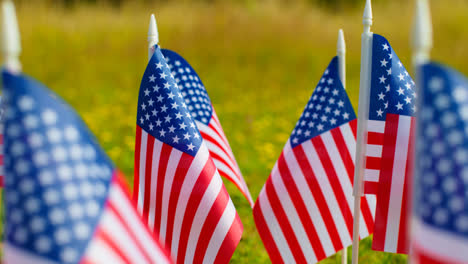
(163, 160)
(136, 167)
(300, 207)
(212, 219)
(353, 125)
(265, 233)
(128, 230)
(107, 239)
(220, 159)
(320, 200)
(230, 242)
(284, 222)
(349, 164)
(220, 133)
(148, 176)
(179, 177)
(196, 195)
(373, 163)
(1, 159)
(403, 235)
(371, 187)
(214, 141)
(385, 182)
(375, 138)
(335, 182)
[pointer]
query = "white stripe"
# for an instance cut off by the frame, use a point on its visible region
(291, 213)
(220, 232)
(206, 203)
(112, 227)
(215, 149)
(14, 255)
(186, 191)
(375, 126)
(327, 190)
(374, 151)
(154, 182)
(343, 178)
(124, 206)
(274, 227)
(208, 130)
(372, 201)
(397, 184)
(99, 252)
(450, 247)
(222, 167)
(309, 200)
(171, 168)
(371, 175)
(349, 139)
(141, 193)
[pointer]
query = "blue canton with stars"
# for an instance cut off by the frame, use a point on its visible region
(196, 97)
(441, 184)
(328, 107)
(392, 89)
(162, 111)
(57, 177)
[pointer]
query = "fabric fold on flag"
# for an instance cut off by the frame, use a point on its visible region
(304, 212)
(440, 213)
(177, 187)
(200, 107)
(390, 146)
(65, 202)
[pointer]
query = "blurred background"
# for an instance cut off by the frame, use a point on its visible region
(259, 60)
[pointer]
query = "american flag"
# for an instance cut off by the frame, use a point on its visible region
(177, 186)
(440, 212)
(2, 170)
(392, 108)
(65, 201)
(202, 111)
(304, 212)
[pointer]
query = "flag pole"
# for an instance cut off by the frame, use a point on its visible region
(422, 35)
(363, 115)
(341, 53)
(153, 36)
(11, 45)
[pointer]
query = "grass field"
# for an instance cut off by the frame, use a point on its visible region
(259, 63)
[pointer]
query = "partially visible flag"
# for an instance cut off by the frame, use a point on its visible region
(177, 186)
(65, 201)
(440, 212)
(202, 111)
(391, 121)
(2, 167)
(304, 212)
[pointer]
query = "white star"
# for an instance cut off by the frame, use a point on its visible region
(337, 112)
(182, 126)
(340, 103)
(163, 75)
(346, 116)
(327, 109)
(158, 122)
(175, 139)
(399, 106)
(179, 115)
(171, 129)
(26, 103)
(190, 146)
(408, 86)
(187, 136)
(379, 112)
(401, 76)
(174, 105)
(382, 79)
(389, 71)
(164, 108)
(387, 88)
(159, 65)
(170, 95)
(320, 127)
(147, 92)
(400, 91)
(381, 96)
(156, 88)
(386, 105)
(436, 84)
(400, 64)
(167, 86)
(162, 133)
(330, 81)
(151, 127)
(385, 46)
(383, 63)
(407, 100)
(160, 98)
(168, 119)
(333, 121)
(152, 78)
(335, 92)
(143, 107)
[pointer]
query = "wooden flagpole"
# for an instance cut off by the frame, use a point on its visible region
(341, 53)
(153, 36)
(421, 36)
(11, 44)
(363, 115)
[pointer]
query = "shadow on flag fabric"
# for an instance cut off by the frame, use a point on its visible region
(202, 111)
(440, 212)
(304, 212)
(178, 189)
(390, 146)
(65, 200)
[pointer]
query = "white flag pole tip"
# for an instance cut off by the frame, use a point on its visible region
(422, 32)
(153, 36)
(341, 45)
(341, 53)
(367, 17)
(11, 45)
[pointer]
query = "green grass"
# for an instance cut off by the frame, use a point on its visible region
(259, 62)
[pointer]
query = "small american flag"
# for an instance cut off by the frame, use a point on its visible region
(65, 202)
(440, 212)
(202, 111)
(2, 117)
(177, 186)
(392, 108)
(305, 211)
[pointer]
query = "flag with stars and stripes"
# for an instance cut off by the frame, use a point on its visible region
(440, 213)
(202, 111)
(2, 170)
(177, 187)
(304, 212)
(65, 202)
(389, 161)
